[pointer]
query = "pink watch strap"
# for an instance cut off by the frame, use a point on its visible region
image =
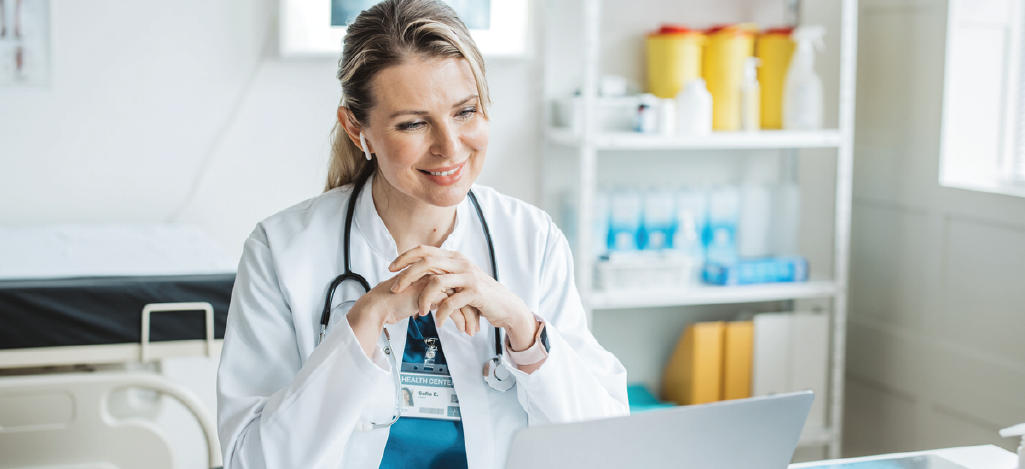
(533, 354)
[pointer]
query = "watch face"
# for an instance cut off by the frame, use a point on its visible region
(544, 339)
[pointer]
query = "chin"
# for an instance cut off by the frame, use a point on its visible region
(447, 196)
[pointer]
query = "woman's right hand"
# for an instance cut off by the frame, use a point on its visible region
(380, 306)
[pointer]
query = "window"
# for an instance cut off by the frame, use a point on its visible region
(983, 138)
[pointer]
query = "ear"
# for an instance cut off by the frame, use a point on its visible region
(348, 122)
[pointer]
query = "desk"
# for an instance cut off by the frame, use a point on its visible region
(971, 457)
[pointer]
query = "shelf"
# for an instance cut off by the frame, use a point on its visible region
(765, 139)
(709, 295)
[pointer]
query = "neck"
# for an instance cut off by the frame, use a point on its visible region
(411, 222)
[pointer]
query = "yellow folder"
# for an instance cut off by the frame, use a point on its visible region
(694, 372)
(738, 354)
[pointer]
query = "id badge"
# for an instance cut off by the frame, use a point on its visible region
(428, 395)
(426, 386)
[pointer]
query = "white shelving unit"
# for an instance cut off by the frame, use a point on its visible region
(766, 139)
(710, 295)
(586, 145)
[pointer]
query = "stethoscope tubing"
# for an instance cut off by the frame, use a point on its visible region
(500, 384)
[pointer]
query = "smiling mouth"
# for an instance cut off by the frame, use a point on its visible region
(445, 172)
(441, 173)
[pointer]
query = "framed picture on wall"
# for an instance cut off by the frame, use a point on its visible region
(314, 28)
(24, 43)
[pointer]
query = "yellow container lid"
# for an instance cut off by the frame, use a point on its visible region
(738, 29)
(675, 30)
(784, 31)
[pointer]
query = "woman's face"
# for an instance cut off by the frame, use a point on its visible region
(427, 129)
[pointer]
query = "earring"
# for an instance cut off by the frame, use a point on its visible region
(363, 145)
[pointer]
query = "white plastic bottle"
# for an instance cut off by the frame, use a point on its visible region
(786, 219)
(695, 104)
(755, 222)
(802, 90)
(750, 97)
(667, 110)
(647, 114)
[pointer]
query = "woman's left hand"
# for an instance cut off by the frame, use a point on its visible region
(467, 286)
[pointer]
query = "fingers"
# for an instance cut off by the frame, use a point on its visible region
(463, 316)
(437, 288)
(409, 257)
(459, 321)
(427, 265)
(472, 317)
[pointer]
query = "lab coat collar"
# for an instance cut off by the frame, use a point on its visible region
(371, 226)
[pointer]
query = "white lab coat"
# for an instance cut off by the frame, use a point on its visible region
(284, 403)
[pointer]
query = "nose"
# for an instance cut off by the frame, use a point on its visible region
(446, 143)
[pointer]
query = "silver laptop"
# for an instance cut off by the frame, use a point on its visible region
(755, 433)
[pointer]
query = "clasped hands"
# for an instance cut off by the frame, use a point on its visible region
(447, 282)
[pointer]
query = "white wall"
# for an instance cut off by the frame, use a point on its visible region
(936, 355)
(183, 112)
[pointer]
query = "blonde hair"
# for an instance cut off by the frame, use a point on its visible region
(385, 35)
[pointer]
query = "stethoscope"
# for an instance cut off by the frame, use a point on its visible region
(495, 373)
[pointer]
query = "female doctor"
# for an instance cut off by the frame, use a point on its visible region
(313, 360)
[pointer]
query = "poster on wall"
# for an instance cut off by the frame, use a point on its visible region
(316, 28)
(24, 42)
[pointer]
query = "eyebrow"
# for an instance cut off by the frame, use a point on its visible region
(424, 113)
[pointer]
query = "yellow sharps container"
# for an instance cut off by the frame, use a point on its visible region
(726, 49)
(774, 47)
(674, 58)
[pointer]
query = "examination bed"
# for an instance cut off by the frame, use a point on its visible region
(96, 320)
(75, 300)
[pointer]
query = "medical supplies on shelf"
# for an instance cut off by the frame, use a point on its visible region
(674, 59)
(774, 48)
(725, 58)
(612, 114)
(644, 270)
(665, 237)
(802, 92)
(770, 353)
(754, 271)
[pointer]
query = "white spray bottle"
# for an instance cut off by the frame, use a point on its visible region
(1017, 431)
(802, 90)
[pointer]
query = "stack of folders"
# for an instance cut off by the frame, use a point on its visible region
(773, 353)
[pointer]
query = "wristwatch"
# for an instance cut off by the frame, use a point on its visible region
(536, 352)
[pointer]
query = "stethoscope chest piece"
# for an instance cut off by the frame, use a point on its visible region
(498, 376)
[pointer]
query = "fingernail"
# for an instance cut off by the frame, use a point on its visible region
(394, 287)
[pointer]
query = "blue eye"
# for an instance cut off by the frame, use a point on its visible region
(411, 125)
(467, 112)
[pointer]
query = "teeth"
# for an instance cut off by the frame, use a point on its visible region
(443, 173)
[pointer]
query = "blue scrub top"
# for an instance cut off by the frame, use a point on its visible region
(416, 442)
